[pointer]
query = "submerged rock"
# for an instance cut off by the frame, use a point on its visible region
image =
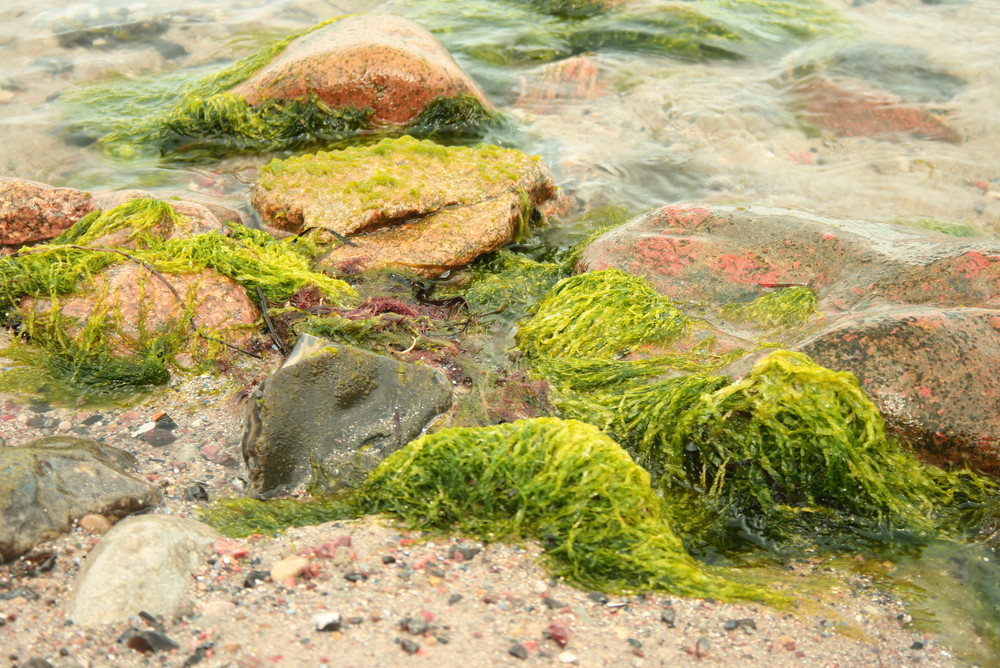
(386, 65)
(331, 413)
(31, 212)
(404, 202)
(143, 564)
(47, 484)
(912, 313)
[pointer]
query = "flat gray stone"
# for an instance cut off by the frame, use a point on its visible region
(338, 410)
(47, 484)
(144, 564)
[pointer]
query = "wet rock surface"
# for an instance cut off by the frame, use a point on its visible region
(47, 484)
(404, 202)
(31, 212)
(381, 62)
(343, 408)
(911, 313)
(144, 564)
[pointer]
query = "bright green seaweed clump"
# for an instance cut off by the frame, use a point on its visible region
(786, 307)
(189, 115)
(563, 482)
(791, 449)
(102, 357)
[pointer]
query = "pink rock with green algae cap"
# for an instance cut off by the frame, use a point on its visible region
(379, 61)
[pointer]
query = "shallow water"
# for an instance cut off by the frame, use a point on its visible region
(629, 129)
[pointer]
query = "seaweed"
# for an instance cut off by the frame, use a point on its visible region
(601, 315)
(791, 450)
(99, 359)
(783, 308)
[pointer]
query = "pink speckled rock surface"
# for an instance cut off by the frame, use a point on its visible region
(379, 61)
(31, 212)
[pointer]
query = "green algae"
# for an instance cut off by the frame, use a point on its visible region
(562, 482)
(953, 228)
(99, 359)
(783, 308)
(600, 314)
(500, 34)
(192, 116)
(791, 450)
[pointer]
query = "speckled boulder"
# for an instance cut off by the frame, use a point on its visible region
(913, 314)
(405, 202)
(932, 372)
(47, 484)
(337, 409)
(31, 212)
(729, 254)
(378, 61)
(134, 295)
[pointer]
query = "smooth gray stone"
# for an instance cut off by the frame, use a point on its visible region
(144, 564)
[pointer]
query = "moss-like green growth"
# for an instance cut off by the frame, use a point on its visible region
(103, 357)
(786, 307)
(563, 482)
(602, 315)
(955, 228)
(244, 517)
(507, 284)
(792, 448)
(526, 31)
(192, 116)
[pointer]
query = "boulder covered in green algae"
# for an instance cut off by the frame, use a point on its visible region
(47, 484)
(560, 481)
(912, 312)
(404, 202)
(789, 448)
(350, 76)
(126, 294)
(332, 412)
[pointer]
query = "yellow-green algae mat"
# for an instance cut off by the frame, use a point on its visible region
(560, 481)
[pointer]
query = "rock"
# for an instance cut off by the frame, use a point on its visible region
(380, 62)
(289, 567)
(147, 641)
(549, 87)
(913, 314)
(47, 484)
(137, 296)
(851, 108)
(144, 564)
(31, 212)
(94, 523)
(327, 621)
(404, 202)
(338, 407)
(726, 254)
(932, 373)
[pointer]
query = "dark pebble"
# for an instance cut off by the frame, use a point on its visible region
(36, 662)
(443, 640)
(40, 408)
(147, 641)
(415, 625)
(92, 419)
(454, 598)
(467, 551)
(409, 646)
(166, 422)
(388, 559)
(355, 576)
(196, 492)
(159, 437)
(553, 604)
(198, 655)
(597, 597)
(517, 650)
(917, 645)
(747, 624)
(668, 616)
(701, 648)
(634, 642)
(355, 620)
(254, 578)
(26, 592)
